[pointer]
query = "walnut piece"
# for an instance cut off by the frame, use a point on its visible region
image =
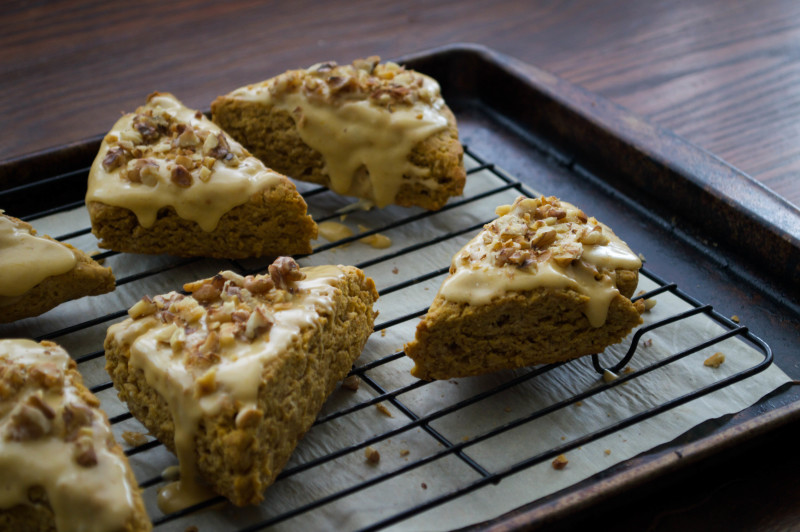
(351, 383)
(181, 176)
(84, 452)
(31, 421)
(285, 272)
(560, 462)
(372, 455)
(115, 157)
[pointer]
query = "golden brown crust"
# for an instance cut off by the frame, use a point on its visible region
(271, 223)
(87, 278)
(167, 180)
(539, 326)
(240, 462)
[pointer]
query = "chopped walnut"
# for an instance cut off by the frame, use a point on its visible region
(285, 272)
(84, 452)
(144, 307)
(260, 284)
(75, 417)
(259, 322)
(220, 150)
(30, 421)
(351, 383)
(649, 304)
(188, 138)
(560, 462)
(181, 176)
(368, 65)
(372, 455)
(115, 157)
(46, 375)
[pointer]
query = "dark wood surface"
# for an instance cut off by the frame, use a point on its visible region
(723, 74)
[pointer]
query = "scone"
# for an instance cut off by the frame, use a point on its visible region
(39, 273)
(542, 283)
(232, 376)
(60, 467)
(168, 180)
(371, 130)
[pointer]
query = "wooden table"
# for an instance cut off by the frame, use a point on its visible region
(723, 74)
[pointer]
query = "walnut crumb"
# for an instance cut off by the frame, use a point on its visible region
(405, 452)
(607, 452)
(560, 462)
(351, 383)
(735, 318)
(285, 272)
(380, 407)
(134, 439)
(395, 270)
(424, 486)
(372, 455)
(715, 360)
(648, 303)
(609, 376)
(647, 343)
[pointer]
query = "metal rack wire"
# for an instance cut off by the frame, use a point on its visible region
(402, 394)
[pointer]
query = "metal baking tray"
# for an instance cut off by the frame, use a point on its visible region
(714, 237)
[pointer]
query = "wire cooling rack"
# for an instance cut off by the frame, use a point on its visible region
(443, 444)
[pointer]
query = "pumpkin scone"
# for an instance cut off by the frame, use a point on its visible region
(60, 467)
(168, 180)
(542, 283)
(231, 377)
(39, 273)
(372, 130)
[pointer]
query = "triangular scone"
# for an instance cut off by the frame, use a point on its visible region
(38, 273)
(543, 283)
(168, 180)
(232, 376)
(60, 467)
(371, 130)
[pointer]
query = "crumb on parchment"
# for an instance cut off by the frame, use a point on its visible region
(560, 462)
(372, 455)
(715, 360)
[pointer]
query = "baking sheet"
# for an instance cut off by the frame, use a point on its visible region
(412, 442)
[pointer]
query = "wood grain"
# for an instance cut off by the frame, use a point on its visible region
(724, 74)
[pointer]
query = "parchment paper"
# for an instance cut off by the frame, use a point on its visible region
(443, 475)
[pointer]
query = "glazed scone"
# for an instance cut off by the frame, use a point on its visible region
(168, 180)
(232, 376)
(542, 283)
(39, 273)
(371, 130)
(60, 467)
